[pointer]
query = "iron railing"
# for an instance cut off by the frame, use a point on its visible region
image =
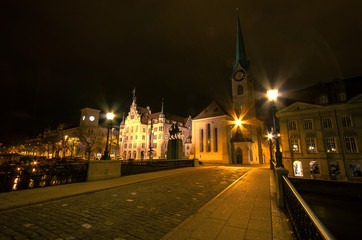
(25, 176)
(305, 223)
(135, 167)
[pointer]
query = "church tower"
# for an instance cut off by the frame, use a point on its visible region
(242, 81)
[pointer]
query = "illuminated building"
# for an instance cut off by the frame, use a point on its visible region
(223, 135)
(321, 133)
(142, 131)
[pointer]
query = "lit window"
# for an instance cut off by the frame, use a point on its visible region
(155, 129)
(298, 169)
(131, 129)
(125, 146)
(136, 137)
(143, 145)
(208, 138)
(346, 121)
(144, 129)
(351, 145)
(131, 137)
(155, 145)
(311, 146)
(308, 124)
(327, 122)
(331, 145)
(314, 167)
(143, 137)
(295, 145)
(130, 145)
(135, 145)
(292, 125)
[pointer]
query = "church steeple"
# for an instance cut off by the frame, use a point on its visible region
(240, 56)
(162, 115)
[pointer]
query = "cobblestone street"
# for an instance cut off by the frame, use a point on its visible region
(145, 210)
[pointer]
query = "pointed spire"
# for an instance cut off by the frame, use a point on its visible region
(240, 57)
(123, 120)
(162, 115)
(134, 95)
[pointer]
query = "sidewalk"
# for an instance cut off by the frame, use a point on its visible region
(15, 199)
(245, 210)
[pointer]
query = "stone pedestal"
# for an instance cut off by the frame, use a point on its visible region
(103, 169)
(279, 173)
(174, 149)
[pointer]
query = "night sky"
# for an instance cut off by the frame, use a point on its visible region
(60, 56)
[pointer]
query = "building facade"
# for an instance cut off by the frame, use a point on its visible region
(322, 140)
(224, 135)
(143, 132)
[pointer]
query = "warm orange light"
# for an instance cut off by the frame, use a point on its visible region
(270, 136)
(272, 94)
(110, 116)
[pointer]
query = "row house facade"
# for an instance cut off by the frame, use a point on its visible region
(323, 141)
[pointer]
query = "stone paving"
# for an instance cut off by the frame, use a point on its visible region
(145, 210)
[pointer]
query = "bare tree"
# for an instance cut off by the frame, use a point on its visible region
(89, 137)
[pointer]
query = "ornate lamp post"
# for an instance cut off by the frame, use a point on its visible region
(270, 138)
(110, 117)
(272, 96)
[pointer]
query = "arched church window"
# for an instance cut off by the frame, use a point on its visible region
(240, 90)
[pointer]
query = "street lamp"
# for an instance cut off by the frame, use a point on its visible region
(270, 138)
(110, 117)
(272, 96)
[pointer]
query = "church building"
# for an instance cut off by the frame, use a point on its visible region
(229, 136)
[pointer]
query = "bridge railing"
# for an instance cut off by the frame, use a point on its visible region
(136, 167)
(305, 223)
(25, 176)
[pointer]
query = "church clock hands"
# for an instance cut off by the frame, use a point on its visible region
(239, 75)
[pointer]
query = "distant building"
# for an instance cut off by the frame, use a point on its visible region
(227, 135)
(321, 133)
(143, 132)
(88, 138)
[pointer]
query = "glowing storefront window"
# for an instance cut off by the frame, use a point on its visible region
(298, 168)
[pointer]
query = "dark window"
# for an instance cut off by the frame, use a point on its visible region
(240, 90)
(202, 140)
(215, 140)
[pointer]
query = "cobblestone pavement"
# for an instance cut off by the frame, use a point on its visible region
(146, 210)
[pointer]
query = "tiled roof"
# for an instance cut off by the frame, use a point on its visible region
(212, 110)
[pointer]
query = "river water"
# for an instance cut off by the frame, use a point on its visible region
(342, 216)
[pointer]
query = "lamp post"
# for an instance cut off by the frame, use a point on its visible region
(272, 96)
(110, 117)
(270, 137)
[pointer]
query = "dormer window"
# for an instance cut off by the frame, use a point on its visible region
(342, 96)
(323, 99)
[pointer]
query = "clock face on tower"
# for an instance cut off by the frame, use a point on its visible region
(239, 75)
(92, 118)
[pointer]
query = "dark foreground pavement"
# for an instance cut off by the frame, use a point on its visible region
(139, 210)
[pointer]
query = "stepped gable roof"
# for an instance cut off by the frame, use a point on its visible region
(169, 116)
(214, 109)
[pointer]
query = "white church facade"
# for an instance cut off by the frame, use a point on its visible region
(235, 135)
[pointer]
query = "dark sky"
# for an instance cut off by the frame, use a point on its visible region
(57, 57)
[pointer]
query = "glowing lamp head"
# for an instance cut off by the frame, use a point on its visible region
(110, 116)
(270, 136)
(238, 122)
(272, 95)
